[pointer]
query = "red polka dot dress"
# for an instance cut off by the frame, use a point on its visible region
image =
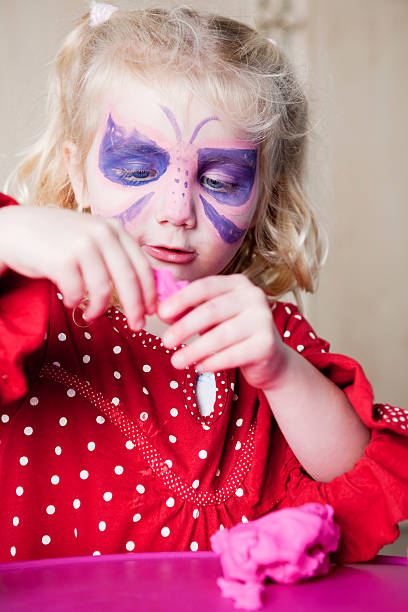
(103, 447)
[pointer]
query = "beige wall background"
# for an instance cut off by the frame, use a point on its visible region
(352, 56)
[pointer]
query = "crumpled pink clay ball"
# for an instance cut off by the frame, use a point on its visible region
(166, 284)
(287, 545)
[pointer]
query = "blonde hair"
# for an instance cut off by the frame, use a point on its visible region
(248, 80)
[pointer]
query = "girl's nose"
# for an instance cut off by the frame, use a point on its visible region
(177, 202)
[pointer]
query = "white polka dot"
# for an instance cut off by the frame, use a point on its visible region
(196, 513)
(194, 546)
(76, 503)
(145, 391)
(34, 401)
(5, 418)
(300, 348)
(23, 460)
(55, 479)
(129, 445)
(63, 421)
(244, 519)
(13, 551)
(174, 412)
(84, 474)
(107, 496)
(102, 526)
(50, 509)
(169, 462)
(130, 545)
(239, 492)
(57, 364)
(286, 334)
(165, 532)
(57, 450)
(115, 400)
(118, 469)
(239, 422)
(204, 426)
(117, 374)
(288, 310)
(16, 521)
(221, 527)
(19, 491)
(174, 384)
(202, 454)
(238, 445)
(87, 335)
(144, 416)
(140, 489)
(146, 368)
(91, 446)
(96, 553)
(218, 472)
(195, 484)
(28, 431)
(59, 296)
(71, 393)
(46, 540)
(312, 335)
(62, 337)
(170, 502)
(100, 419)
(172, 439)
(298, 317)
(136, 517)
(86, 359)
(75, 532)
(117, 349)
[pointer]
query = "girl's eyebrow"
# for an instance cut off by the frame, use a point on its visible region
(237, 157)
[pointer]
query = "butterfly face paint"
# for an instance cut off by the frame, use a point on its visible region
(182, 182)
(134, 160)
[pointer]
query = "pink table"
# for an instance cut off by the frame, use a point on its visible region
(186, 582)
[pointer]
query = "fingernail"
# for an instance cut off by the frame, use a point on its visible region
(177, 360)
(168, 340)
(137, 324)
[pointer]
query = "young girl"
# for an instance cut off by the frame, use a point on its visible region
(147, 425)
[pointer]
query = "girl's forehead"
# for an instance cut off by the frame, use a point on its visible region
(173, 112)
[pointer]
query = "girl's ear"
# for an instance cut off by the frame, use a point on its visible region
(75, 173)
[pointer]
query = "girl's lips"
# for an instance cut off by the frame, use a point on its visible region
(163, 253)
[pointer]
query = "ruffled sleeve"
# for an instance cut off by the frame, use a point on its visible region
(24, 314)
(371, 498)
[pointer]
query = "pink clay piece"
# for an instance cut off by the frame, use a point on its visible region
(286, 546)
(166, 284)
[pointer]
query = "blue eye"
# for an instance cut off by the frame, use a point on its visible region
(134, 177)
(215, 185)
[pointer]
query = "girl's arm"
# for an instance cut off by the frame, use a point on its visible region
(236, 329)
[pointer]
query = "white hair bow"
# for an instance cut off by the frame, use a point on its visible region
(100, 12)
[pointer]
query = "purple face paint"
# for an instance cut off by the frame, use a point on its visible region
(130, 213)
(132, 159)
(238, 166)
(228, 231)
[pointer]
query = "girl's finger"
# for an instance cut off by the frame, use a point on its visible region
(71, 286)
(202, 318)
(236, 356)
(143, 270)
(97, 282)
(126, 280)
(214, 341)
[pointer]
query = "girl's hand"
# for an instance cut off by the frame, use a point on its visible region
(235, 327)
(83, 255)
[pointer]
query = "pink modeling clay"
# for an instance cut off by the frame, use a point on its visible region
(286, 545)
(166, 284)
